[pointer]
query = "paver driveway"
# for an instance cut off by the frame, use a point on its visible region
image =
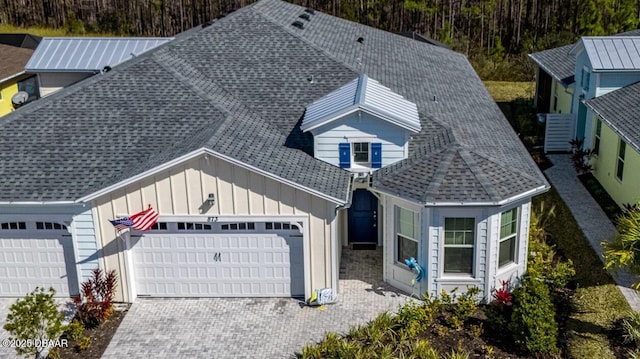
(252, 328)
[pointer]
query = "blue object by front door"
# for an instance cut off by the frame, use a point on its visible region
(363, 217)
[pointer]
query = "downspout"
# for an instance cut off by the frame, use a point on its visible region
(335, 261)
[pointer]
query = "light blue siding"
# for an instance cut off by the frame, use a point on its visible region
(613, 81)
(85, 234)
(360, 127)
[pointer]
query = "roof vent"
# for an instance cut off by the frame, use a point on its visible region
(19, 98)
(298, 24)
(361, 40)
(305, 17)
(106, 69)
(310, 11)
(311, 79)
(208, 23)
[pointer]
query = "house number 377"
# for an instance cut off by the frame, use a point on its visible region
(217, 257)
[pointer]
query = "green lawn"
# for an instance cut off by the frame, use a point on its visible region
(597, 302)
(504, 91)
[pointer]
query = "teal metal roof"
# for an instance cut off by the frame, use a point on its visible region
(86, 53)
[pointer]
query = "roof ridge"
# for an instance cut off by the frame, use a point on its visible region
(479, 174)
(439, 175)
(508, 169)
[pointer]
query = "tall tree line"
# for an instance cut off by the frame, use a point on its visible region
(485, 29)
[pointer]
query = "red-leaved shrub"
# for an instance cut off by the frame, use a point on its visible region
(95, 302)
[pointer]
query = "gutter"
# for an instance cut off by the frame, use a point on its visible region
(30, 203)
(13, 76)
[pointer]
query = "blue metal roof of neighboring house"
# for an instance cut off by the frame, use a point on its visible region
(365, 94)
(612, 52)
(88, 54)
(620, 109)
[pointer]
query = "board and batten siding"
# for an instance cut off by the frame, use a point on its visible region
(360, 127)
(51, 82)
(183, 190)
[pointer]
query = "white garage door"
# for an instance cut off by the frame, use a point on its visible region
(219, 260)
(32, 254)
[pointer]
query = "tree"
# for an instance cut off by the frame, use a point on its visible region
(34, 321)
(624, 250)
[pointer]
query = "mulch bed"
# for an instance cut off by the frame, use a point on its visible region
(100, 338)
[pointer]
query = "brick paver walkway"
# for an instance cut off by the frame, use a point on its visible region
(594, 223)
(252, 327)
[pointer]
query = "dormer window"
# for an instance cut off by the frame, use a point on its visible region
(361, 152)
(362, 125)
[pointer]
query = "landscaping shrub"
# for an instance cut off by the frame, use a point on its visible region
(631, 329)
(36, 319)
(75, 331)
(95, 303)
(533, 325)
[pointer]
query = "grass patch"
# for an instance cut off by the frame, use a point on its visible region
(44, 31)
(597, 302)
(505, 91)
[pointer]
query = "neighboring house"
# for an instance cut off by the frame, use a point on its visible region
(63, 61)
(267, 141)
(16, 50)
(570, 81)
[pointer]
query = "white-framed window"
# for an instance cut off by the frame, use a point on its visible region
(159, 226)
(586, 77)
(622, 147)
(459, 242)
(279, 226)
(407, 233)
(596, 141)
(190, 226)
(241, 226)
(13, 226)
(508, 237)
(43, 226)
(361, 152)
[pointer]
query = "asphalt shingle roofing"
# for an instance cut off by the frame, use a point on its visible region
(240, 87)
(620, 109)
(558, 63)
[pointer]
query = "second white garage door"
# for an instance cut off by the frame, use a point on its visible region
(219, 260)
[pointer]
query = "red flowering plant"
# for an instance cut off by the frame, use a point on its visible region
(503, 296)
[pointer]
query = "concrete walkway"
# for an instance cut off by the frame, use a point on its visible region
(594, 223)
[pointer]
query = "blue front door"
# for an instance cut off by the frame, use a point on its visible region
(363, 217)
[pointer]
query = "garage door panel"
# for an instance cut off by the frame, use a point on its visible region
(219, 265)
(41, 259)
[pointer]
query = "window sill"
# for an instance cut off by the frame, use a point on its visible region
(451, 278)
(507, 268)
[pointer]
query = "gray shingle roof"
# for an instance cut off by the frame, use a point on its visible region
(558, 63)
(240, 87)
(620, 109)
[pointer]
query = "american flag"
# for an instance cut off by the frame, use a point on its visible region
(141, 220)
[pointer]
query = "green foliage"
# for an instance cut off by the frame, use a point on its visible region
(533, 325)
(624, 250)
(75, 26)
(631, 328)
(422, 349)
(75, 331)
(456, 355)
(543, 262)
(95, 304)
(34, 317)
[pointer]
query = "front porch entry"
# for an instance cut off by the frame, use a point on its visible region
(363, 218)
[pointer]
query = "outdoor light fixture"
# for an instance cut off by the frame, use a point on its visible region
(211, 199)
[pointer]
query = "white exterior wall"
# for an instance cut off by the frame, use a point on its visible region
(182, 191)
(51, 82)
(360, 127)
(487, 276)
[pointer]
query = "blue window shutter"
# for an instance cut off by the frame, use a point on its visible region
(345, 155)
(376, 155)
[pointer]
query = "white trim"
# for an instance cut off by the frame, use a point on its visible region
(195, 154)
(129, 266)
(306, 250)
(74, 244)
(27, 203)
(335, 268)
(98, 233)
(529, 193)
(230, 218)
(13, 76)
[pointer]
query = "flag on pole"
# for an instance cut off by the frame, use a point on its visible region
(141, 220)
